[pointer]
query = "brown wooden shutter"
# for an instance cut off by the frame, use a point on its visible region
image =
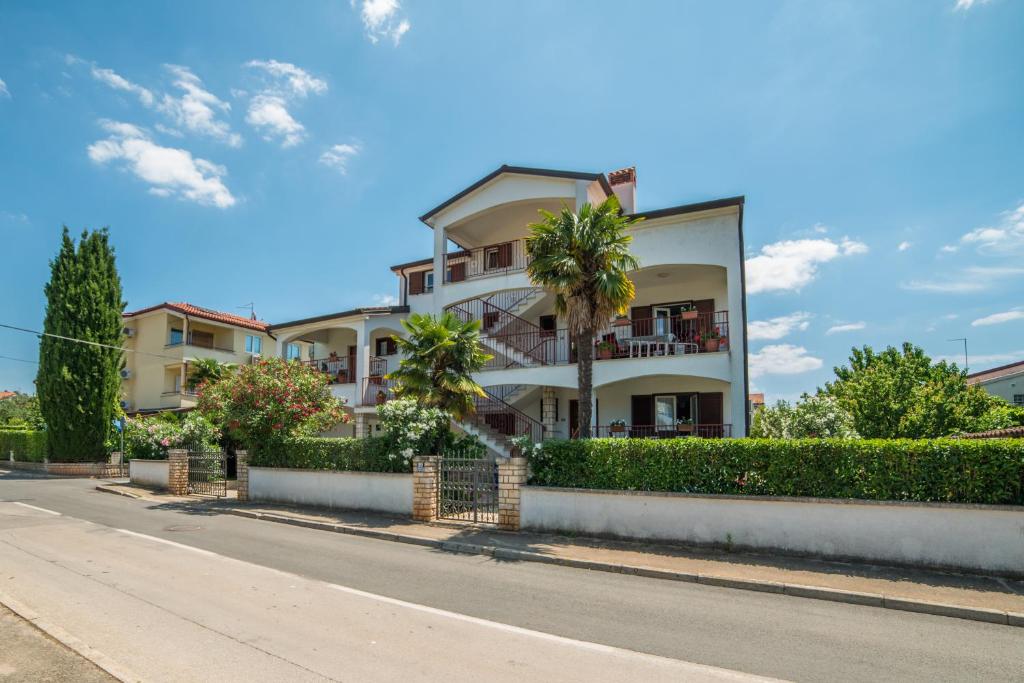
(642, 410)
(392, 346)
(641, 316)
(709, 408)
(416, 282)
(505, 255)
(458, 272)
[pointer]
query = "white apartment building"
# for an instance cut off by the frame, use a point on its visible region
(676, 364)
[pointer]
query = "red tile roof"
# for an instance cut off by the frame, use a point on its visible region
(996, 373)
(1008, 433)
(623, 175)
(205, 313)
(7, 394)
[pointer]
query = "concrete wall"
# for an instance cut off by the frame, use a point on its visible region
(970, 537)
(1006, 387)
(148, 473)
(347, 490)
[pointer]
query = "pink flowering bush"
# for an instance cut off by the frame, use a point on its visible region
(149, 438)
(266, 402)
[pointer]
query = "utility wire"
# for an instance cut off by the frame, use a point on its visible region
(20, 360)
(86, 341)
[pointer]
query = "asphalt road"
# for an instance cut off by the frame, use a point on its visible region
(768, 635)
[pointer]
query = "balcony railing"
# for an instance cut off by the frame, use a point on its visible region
(488, 261)
(492, 413)
(705, 431)
(377, 390)
(340, 369)
(202, 342)
(625, 338)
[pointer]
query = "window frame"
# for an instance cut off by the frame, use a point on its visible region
(253, 344)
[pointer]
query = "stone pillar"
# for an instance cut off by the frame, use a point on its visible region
(511, 479)
(424, 487)
(362, 425)
(548, 403)
(242, 472)
(177, 472)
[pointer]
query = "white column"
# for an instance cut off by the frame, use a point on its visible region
(362, 359)
(593, 412)
(440, 246)
(581, 193)
(736, 415)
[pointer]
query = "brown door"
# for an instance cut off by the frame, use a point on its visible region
(642, 415)
(416, 282)
(709, 413)
(458, 271)
(505, 255)
(705, 316)
(574, 417)
(641, 316)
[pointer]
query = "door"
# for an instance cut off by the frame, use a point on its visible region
(642, 416)
(665, 414)
(641, 316)
(574, 417)
(709, 414)
(662, 318)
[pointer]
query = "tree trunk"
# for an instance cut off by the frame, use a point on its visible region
(585, 369)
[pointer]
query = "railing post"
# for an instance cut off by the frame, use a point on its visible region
(424, 487)
(242, 474)
(177, 472)
(511, 478)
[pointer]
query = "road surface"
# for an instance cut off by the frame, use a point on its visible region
(171, 593)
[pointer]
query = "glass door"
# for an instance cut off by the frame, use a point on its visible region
(664, 413)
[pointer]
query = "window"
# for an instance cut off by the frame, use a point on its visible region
(253, 343)
(429, 281)
(492, 258)
(386, 347)
(1018, 399)
(176, 337)
(293, 352)
(665, 412)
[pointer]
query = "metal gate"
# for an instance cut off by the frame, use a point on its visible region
(207, 473)
(467, 489)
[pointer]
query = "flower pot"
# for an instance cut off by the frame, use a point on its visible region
(618, 429)
(723, 343)
(688, 315)
(381, 397)
(604, 354)
(711, 345)
(685, 428)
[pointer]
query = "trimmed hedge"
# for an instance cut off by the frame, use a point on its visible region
(322, 453)
(28, 445)
(943, 470)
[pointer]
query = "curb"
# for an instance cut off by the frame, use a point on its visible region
(87, 652)
(118, 492)
(792, 589)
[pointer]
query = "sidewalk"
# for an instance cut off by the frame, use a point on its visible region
(956, 595)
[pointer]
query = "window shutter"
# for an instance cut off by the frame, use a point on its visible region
(505, 255)
(641, 317)
(416, 282)
(458, 271)
(392, 346)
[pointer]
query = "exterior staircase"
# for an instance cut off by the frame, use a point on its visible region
(515, 341)
(495, 422)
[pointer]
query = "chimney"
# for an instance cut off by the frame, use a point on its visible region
(623, 184)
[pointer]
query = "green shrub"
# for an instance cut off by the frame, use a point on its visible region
(947, 470)
(342, 455)
(27, 445)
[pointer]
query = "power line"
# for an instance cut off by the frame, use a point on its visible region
(20, 360)
(86, 341)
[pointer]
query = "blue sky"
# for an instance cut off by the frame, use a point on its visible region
(279, 153)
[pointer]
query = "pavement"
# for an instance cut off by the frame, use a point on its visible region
(170, 590)
(29, 654)
(983, 598)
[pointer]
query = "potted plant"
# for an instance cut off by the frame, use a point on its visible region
(684, 425)
(605, 350)
(712, 339)
(381, 397)
(617, 426)
(688, 312)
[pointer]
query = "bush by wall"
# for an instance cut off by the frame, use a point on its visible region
(945, 470)
(373, 454)
(27, 445)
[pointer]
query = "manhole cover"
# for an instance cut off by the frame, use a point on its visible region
(183, 527)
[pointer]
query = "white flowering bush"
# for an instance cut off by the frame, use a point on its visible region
(525, 445)
(813, 417)
(413, 429)
(149, 438)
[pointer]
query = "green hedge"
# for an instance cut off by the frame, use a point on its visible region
(947, 470)
(321, 453)
(28, 446)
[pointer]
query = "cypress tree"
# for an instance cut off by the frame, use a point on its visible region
(79, 384)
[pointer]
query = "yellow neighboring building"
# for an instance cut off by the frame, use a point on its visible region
(162, 340)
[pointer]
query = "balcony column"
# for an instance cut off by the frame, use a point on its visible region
(737, 356)
(184, 332)
(547, 410)
(362, 359)
(593, 412)
(581, 193)
(184, 376)
(440, 247)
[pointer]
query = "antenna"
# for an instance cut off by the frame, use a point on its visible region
(252, 310)
(964, 340)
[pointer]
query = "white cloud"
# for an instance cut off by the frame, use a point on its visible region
(846, 327)
(967, 280)
(782, 359)
(119, 82)
(789, 265)
(268, 108)
(777, 328)
(904, 245)
(385, 299)
(381, 19)
(968, 4)
(298, 81)
(269, 114)
(998, 318)
(949, 249)
(4, 92)
(169, 171)
(196, 109)
(1004, 239)
(338, 156)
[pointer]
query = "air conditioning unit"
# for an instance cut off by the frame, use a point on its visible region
(129, 332)
(126, 374)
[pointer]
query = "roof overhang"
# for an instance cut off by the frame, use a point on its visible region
(354, 313)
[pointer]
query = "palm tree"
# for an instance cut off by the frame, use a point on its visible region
(207, 370)
(583, 258)
(441, 354)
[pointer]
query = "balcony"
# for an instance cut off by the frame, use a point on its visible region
(200, 341)
(339, 369)
(488, 261)
(181, 398)
(376, 391)
(704, 431)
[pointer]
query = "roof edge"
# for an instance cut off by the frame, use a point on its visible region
(365, 310)
(737, 201)
(1019, 363)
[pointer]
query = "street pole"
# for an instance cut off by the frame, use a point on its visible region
(964, 340)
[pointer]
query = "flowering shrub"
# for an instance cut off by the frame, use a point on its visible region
(813, 417)
(149, 438)
(413, 429)
(268, 401)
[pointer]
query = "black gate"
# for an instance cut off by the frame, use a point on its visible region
(467, 489)
(207, 474)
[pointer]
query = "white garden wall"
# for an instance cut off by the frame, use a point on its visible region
(971, 537)
(347, 490)
(153, 473)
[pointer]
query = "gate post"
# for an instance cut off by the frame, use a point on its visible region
(511, 477)
(177, 472)
(242, 474)
(424, 487)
